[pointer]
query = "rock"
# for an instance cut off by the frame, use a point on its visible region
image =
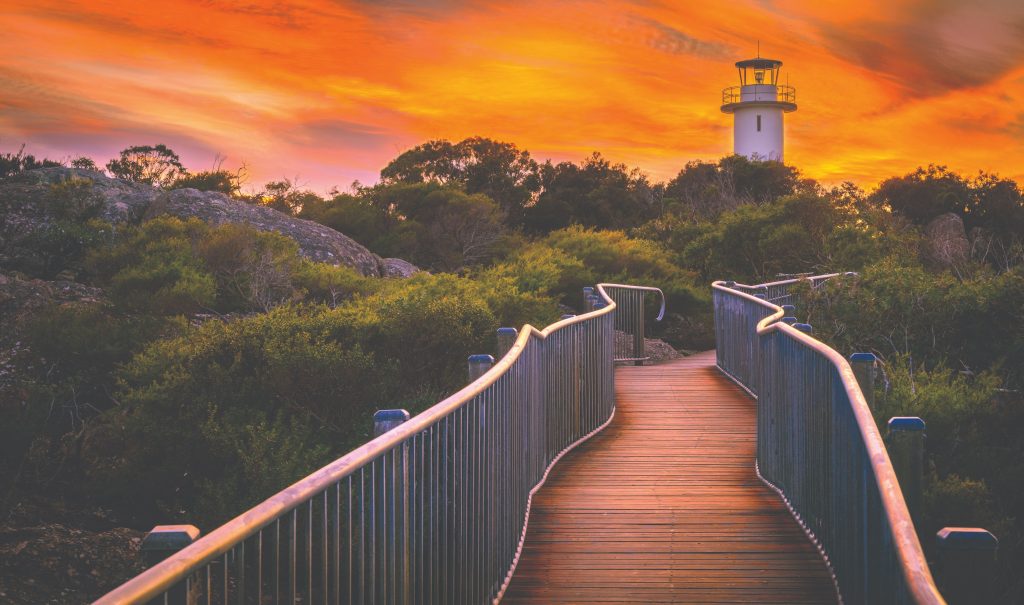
(316, 241)
(396, 267)
(24, 210)
(656, 350)
(947, 243)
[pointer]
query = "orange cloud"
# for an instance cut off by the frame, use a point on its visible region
(330, 91)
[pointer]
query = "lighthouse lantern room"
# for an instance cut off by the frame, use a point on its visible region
(757, 106)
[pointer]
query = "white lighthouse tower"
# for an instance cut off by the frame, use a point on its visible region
(757, 106)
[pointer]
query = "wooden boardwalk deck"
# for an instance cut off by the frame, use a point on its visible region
(664, 506)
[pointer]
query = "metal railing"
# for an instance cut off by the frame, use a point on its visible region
(783, 93)
(819, 447)
(433, 511)
(630, 322)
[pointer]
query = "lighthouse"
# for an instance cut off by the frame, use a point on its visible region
(757, 106)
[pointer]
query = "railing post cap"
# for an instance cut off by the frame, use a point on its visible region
(568, 316)
(508, 331)
(863, 357)
(729, 284)
(788, 308)
(391, 415)
(966, 538)
(851, 274)
(481, 358)
(600, 304)
(906, 423)
(804, 327)
(588, 289)
(761, 296)
(167, 538)
(762, 288)
(789, 320)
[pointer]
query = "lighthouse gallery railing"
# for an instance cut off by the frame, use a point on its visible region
(819, 447)
(435, 510)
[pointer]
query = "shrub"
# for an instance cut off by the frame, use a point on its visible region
(169, 266)
(194, 404)
(74, 200)
(65, 376)
(253, 269)
(220, 181)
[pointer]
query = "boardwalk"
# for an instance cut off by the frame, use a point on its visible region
(664, 506)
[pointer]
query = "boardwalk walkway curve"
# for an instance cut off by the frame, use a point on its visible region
(659, 494)
(664, 505)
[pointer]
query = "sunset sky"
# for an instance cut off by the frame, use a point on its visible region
(328, 92)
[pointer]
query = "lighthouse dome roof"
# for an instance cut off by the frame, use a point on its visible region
(759, 63)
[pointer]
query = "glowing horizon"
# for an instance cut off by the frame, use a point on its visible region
(329, 92)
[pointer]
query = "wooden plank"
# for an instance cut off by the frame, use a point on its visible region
(664, 505)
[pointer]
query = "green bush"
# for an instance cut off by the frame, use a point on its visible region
(192, 403)
(65, 378)
(74, 200)
(301, 380)
(221, 181)
(170, 266)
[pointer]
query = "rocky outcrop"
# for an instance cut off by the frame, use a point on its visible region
(947, 243)
(24, 204)
(316, 241)
(396, 267)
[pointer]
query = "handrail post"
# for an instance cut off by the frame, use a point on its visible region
(905, 442)
(385, 420)
(506, 338)
(478, 366)
(863, 365)
(397, 508)
(638, 336)
(588, 291)
(967, 557)
(161, 542)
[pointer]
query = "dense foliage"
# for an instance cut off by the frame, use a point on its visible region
(214, 346)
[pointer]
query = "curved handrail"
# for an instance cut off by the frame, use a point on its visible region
(178, 566)
(912, 561)
(661, 311)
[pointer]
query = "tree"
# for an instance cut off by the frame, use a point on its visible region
(449, 227)
(924, 194)
(12, 164)
(704, 190)
(501, 171)
(209, 180)
(995, 218)
(594, 193)
(358, 217)
(84, 163)
(286, 196)
(155, 165)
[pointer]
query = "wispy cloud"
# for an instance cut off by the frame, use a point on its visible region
(330, 90)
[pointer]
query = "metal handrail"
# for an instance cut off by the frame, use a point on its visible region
(630, 321)
(839, 484)
(784, 93)
(479, 454)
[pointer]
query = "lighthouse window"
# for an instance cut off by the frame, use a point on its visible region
(759, 123)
